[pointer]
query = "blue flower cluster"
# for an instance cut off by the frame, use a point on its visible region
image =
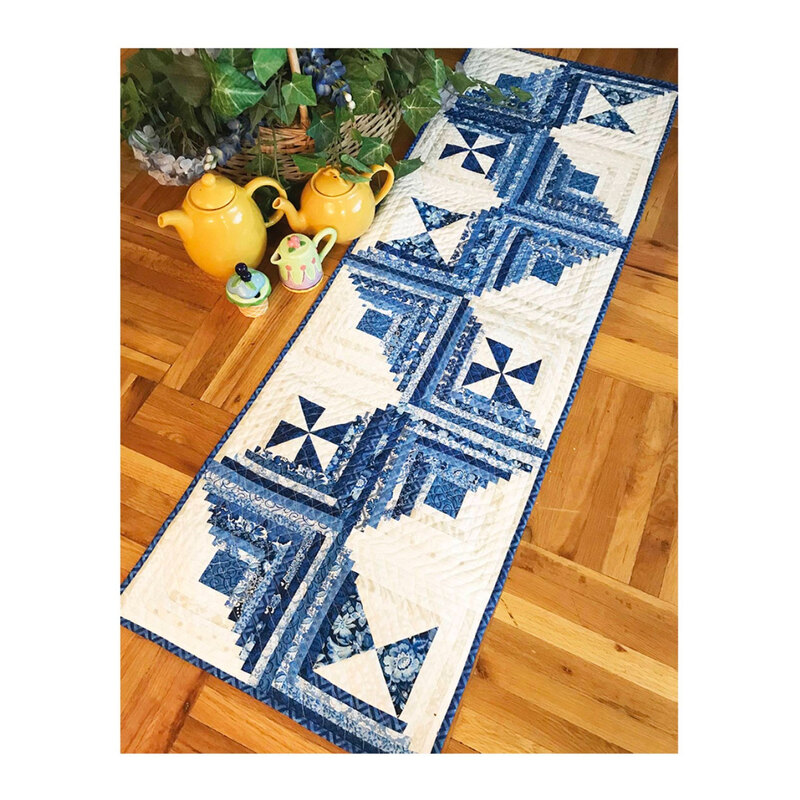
(328, 76)
(228, 146)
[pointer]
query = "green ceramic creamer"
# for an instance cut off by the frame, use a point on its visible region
(299, 263)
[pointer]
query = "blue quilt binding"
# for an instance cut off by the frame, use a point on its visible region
(303, 716)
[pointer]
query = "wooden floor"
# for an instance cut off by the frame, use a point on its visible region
(581, 654)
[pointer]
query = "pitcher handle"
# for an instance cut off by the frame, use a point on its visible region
(331, 232)
(387, 184)
(257, 183)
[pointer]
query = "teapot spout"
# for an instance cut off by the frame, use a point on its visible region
(295, 218)
(178, 219)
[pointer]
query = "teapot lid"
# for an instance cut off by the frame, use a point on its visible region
(211, 192)
(328, 181)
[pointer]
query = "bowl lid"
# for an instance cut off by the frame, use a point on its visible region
(328, 181)
(212, 191)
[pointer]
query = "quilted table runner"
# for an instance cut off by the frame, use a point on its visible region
(341, 551)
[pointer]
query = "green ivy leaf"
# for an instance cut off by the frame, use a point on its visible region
(342, 114)
(133, 110)
(257, 112)
(354, 163)
(310, 163)
(136, 66)
(190, 80)
(261, 163)
(420, 105)
(462, 82)
(374, 66)
(210, 120)
(156, 61)
(239, 57)
(403, 168)
(373, 150)
(231, 92)
(405, 61)
(267, 61)
(353, 178)
(439, 73)
(380, 51)
(356, 135)
(286, 113)
(299, 91)
(495, 95)
(366, 95)
(521, 94)
(322, 130)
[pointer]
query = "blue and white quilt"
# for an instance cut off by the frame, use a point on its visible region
(341, 551)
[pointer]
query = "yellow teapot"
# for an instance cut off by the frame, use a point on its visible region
(330, 201)
(221, 225)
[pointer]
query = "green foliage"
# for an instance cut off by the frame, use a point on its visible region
(299, 91)
(188, 100)
(403, 168)
(357, 165)
(420, 105)
(267, 61)
(190, 80)
(366, 95)
(352, 177)
(261, 163)
(310, 163)
(231, 92)
(373, 150)
(322, 130)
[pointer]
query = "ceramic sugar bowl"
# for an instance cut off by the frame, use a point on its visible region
(299, 262)
(249, 291)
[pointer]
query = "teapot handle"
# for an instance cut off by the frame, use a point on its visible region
(387, 184)
(331, 232)
(257, 183)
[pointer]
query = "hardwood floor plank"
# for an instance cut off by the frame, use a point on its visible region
(659, 533)
(520, 715)
(252, 724)
(487, 735)
(516, 670)
(641, 366)
(130, 553)
(146, 499)
(136, 526)
(619, 612)
(550, 629)
(158, 690)
(561, 665)
(133, 336)
(176, 456)
(142, 364)
(640, 487)
(153, 473)
(194, 737)
(597, 504)
(454, 746)
(183, 419)
(669, 586)
(135, 392)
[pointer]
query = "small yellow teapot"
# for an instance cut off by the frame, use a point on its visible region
(220, 224)
(330, 201)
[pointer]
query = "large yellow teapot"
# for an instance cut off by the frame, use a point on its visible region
(220, 224)
(330, 201)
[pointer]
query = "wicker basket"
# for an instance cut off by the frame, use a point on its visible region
(293, 139)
